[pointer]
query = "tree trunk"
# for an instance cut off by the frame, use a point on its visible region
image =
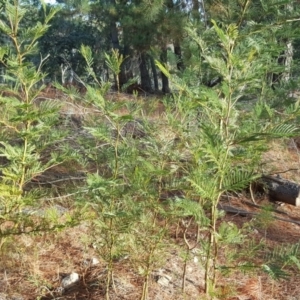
(285, 62)
(126, 72)
(145, 77)
(288, 52)
(177, 51)
(203, 13)
(154, 73)
(164, 78)
(114, 30)
(288, 61)
(286, 58)
(196, 11)
(114, 34)
(126, 69)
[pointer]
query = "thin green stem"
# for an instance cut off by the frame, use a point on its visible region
(111, 243)
(116, 146)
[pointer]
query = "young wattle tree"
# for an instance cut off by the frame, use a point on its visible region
(280, 18)
(27, 138)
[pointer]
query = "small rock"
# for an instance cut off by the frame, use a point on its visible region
(95, 261)
(91, 262)
(164, 280)
(59, 290)
(3, 296)
(70, 280)
(124, 284)
(16, 297)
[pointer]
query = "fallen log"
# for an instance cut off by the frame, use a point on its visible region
(243, 213)
(282, 190)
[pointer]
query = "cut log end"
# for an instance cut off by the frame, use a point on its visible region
(282, 190)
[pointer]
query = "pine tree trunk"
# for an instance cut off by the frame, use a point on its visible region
(154, 73)
(196, 10)
(114, 30)
(177, 51)
(164, 78)
(114, 35)
(126, 70)
(145, 77)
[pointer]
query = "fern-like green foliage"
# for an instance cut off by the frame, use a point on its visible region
(278, 260)
(190, 208)
(274, 271)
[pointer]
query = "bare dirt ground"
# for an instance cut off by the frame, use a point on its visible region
(33, 266)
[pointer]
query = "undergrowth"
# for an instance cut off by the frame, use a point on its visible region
(143, 178)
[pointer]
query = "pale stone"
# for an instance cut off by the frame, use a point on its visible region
(70, 280)
(95, 261)
(164, 280)
(3, 296)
